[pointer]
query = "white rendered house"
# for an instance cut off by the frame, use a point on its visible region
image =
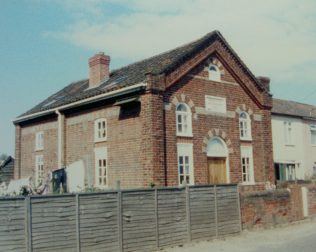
(294, 140)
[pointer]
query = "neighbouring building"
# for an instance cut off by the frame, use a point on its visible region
(294, 140)
(195, 113)
(6, 169)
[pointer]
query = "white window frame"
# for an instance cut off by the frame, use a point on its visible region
(100, 128)
(247, 168)
(215, 104)
(185, 162)
(39, 170)
(288, 133)
(214, 75)
(312, 129)
(185, 122)
(245, 126)
(101, 154)
(39, 141)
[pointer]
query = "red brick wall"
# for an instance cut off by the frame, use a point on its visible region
(193, 88)
(123, 144)
(26, 153)
(265, 208)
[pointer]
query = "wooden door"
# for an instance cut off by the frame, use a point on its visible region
(217, 171)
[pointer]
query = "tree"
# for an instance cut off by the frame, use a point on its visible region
(3, 156)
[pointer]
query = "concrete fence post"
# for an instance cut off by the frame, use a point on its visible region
(239, 210)
(120, 220)
(28, 224)
(78, 223)
(215, 205)
(157, 218)
(188, 210)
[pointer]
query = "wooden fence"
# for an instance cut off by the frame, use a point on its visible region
(123, 220)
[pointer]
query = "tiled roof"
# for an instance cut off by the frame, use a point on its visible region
(291, 108)
(132, 74)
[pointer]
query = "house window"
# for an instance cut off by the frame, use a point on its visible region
(245, 126)
(184, 120)
(185, 163)
(214, 73)
(288, 137)
(215, 104)
(101, 167)
(285, 171)
(39, 140)
(100, 130)
(247, 165)
(39, 170)
(313, 134)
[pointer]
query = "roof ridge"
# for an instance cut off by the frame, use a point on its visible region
(166, 52)
(297, 102)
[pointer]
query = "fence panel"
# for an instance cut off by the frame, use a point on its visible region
(125, 221)
(227, 210)
(202, 206)
(53, 223)
(172, 219)
(139, 221)
(12, 225)
(98, 222)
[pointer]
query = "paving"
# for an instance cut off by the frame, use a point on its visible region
(297, 237)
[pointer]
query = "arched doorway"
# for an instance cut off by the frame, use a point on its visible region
(217, 161)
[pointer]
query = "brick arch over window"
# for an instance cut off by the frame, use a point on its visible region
(184, 99)
(217, 133)
(244, 108)
(217, 63)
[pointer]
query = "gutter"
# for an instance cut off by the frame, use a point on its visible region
(112, 94)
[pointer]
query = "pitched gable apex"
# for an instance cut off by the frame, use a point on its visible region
(214, 45)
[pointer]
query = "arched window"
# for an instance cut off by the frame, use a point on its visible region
(184, 120)
(214, 73)
(244, 126)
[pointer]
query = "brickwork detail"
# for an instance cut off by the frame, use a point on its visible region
(217, 133)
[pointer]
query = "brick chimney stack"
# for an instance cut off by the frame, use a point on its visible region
(99, 69)
(265, 81)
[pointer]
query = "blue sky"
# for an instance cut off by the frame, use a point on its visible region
(45, 44)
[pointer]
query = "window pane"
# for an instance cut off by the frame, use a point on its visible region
(180, 169)
(180, 159)
(182, 108)
(186, 159)
(188, 179)
(187, 169)
(179, 118)
(181, 179)
(179, 128)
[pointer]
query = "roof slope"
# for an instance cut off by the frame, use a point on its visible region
(133, 74)
(292, 108)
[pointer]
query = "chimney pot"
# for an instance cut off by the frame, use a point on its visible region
(99, 69)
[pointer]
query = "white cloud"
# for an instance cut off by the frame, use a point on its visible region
(272, 37)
